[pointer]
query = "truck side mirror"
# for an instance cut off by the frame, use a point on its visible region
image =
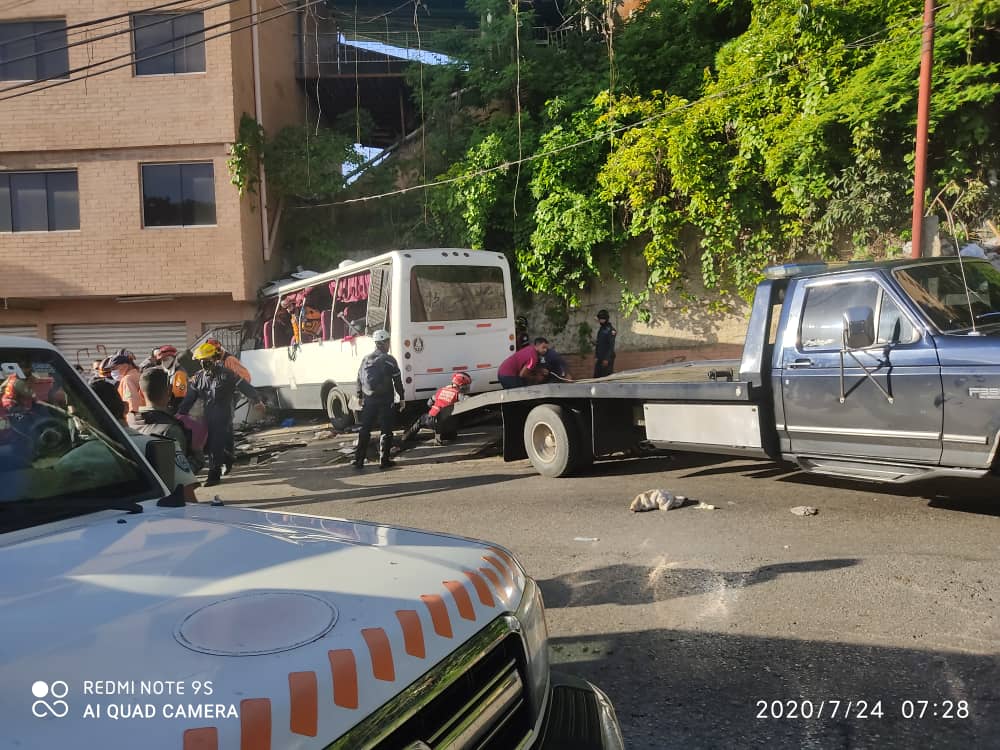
(859, 328)
(160, 454)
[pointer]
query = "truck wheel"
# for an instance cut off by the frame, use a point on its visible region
(551, 440)
(338, 409)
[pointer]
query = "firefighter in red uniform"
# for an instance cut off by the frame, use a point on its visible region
(438, 417)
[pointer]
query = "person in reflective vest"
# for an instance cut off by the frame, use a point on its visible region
(438, 417)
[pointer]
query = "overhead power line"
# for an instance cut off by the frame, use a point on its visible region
(32, 87)
(111, 34)
(503, 166)
(98, 21)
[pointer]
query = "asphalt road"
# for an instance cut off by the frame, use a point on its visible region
(698, 623)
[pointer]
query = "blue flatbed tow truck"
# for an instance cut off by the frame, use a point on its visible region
(887, 372)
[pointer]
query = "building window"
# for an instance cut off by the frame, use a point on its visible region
(39, 201)
(178, 195)
(33, 50)
(168, 43)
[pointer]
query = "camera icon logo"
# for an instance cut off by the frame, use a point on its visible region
(55, 691)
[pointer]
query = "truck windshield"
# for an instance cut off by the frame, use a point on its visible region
(952, 303)
(61, 454)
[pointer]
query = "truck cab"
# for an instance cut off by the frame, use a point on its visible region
(885, 370)
(132, 619)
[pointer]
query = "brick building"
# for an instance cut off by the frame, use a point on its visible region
(118, 223)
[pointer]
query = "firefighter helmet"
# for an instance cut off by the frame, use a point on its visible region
(207, 350)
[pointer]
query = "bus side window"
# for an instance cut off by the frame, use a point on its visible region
(350, 305)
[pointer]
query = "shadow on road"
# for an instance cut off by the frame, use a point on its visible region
(627, 585)
(684, 689)
(960, 495)
(332, 489)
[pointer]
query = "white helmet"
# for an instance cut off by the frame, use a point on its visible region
(380, 335)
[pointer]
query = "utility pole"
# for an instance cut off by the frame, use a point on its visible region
(923, 119)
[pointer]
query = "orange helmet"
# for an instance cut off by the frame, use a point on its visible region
(461, 379)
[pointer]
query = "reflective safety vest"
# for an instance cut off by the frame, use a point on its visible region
(444, 398)
(179, 384)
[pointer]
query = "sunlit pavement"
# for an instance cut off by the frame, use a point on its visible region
(705, 626)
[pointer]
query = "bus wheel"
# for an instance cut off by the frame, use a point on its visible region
(338, 409)
(551, 440)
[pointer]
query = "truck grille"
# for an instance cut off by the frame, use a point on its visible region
(485, 707)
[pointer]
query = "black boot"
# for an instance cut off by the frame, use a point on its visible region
(361, 452)
(214, 475)
(384, 447)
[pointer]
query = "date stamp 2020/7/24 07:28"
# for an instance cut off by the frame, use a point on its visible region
(861, 709)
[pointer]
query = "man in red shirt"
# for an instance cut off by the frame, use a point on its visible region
(522, 368)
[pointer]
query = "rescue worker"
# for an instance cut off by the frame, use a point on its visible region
(177, 377)
(521, 337)
(101, 370)
(558, 369)
(216, 385)
(156, 419)
(183, 475)
(438, 417)
(604, 346)
(230, 361)
(523, 367)
(378, 377)
(125, 375)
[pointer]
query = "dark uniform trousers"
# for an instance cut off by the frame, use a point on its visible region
(376, 410)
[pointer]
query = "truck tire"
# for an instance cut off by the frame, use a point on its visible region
(551, 440)
(338, 409)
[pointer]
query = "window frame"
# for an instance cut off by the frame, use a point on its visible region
(174, 49)
(882, 290)
(416, 298)
(180, 165)
(45, 173)
(62, 47)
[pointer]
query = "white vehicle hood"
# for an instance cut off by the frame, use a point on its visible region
(305, 625)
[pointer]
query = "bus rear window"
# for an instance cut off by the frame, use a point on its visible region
(440, 293)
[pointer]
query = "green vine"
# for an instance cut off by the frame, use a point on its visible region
(245, 155)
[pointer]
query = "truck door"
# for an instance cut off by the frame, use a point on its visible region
(893, 412)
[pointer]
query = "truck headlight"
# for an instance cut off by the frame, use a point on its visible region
(531, 616)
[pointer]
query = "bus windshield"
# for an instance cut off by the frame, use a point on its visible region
(448, 293)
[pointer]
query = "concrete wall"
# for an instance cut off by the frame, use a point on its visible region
(680, 329)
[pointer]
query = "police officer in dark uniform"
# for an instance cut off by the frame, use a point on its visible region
(604, 349)
(378, 377)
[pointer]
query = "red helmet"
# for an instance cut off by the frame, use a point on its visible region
(461, 379)
(165, 351)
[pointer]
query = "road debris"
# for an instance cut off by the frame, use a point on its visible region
(586, 539)
(324, 435)
(653, 499)
(804, 510)
(706, 506)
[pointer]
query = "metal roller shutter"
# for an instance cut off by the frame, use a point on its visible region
(29, 330)
(82, 344)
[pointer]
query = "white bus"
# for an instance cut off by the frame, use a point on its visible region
(448, 310)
